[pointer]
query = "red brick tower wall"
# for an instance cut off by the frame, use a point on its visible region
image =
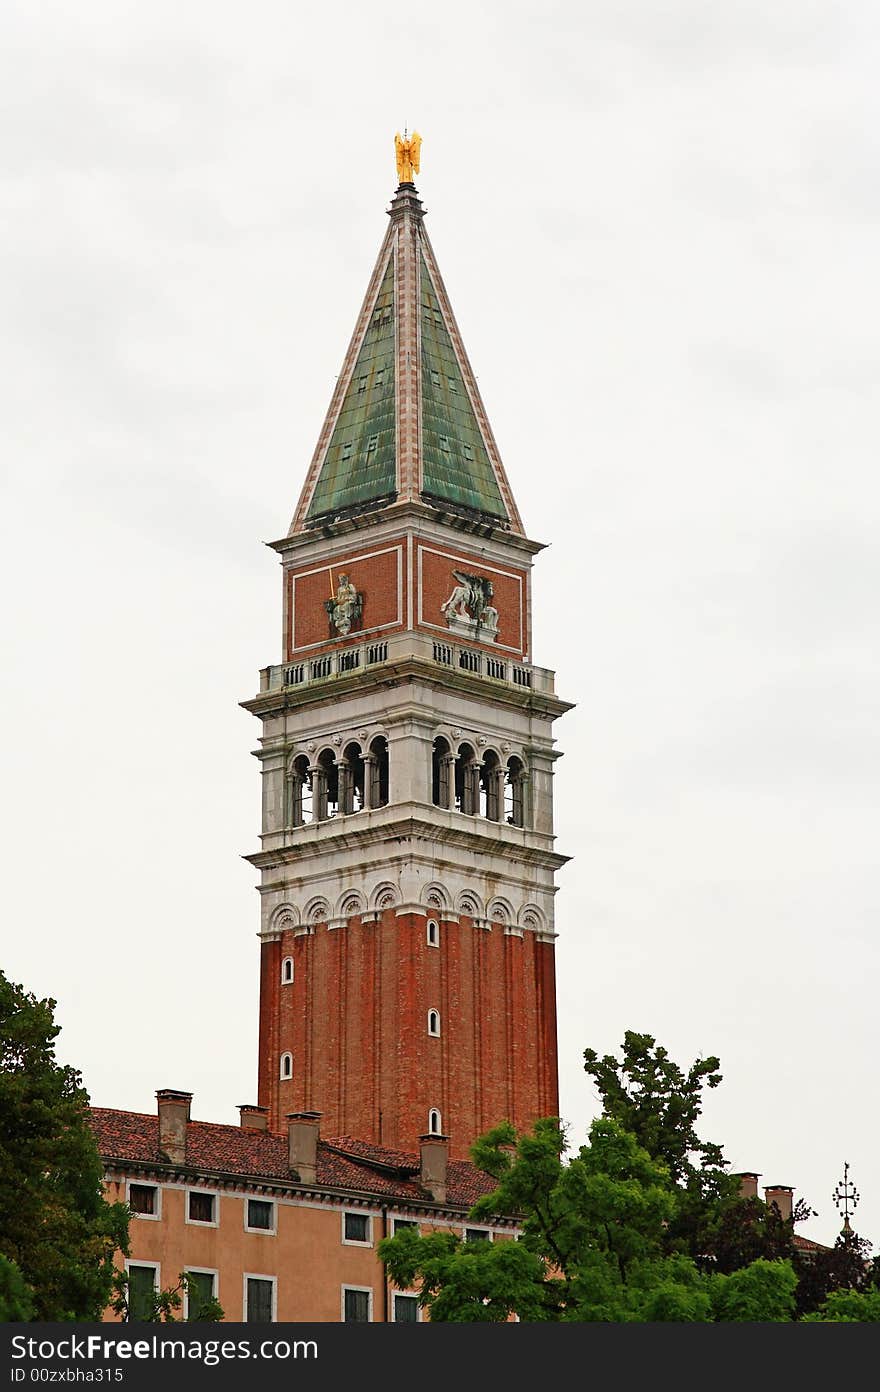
(355, 1019)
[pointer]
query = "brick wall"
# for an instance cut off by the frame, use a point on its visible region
(355, 1021)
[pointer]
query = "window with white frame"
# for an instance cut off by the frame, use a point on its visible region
(357, 1228)
(259, 1215)
(433, 933)
(286, 1069)
(434, 1022)
(406, 1308)
(201, 1207)
(144, 1200)
(357, 1304)
(287, 971)
(259, 1299)
(434, 1126)
(401, 1224)
(477, 1235)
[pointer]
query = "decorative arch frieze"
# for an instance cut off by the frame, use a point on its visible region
(469, 903)
(350, 904)
(500, 911)
(317, 910)
(384, 895)
(436, 898)
(532, 918)
(284, 919)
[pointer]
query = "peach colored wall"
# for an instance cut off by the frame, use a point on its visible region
(307, 1253)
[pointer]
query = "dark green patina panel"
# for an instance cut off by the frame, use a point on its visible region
(455, 465)
(359, 467)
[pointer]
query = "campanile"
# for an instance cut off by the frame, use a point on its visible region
(407, 853)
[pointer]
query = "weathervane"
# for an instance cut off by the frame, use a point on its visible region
(407, 153)
(846, 1197)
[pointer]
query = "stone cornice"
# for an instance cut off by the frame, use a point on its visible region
(118, 1168)
(402, 515)
(475, 835)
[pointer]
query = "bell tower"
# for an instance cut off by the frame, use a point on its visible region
(407, 860)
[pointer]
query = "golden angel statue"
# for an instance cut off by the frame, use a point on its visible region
(407, 152)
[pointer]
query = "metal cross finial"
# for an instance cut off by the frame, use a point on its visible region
(846, 1197)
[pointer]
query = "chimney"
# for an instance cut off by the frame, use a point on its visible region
(433, 1154)
(748, 1184)
(253, 1118)
(303, 1131)
(781, 1196)
(174, 1109)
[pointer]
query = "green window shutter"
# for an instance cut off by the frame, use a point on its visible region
(259, 1301)
(141, 1286)
(201, 1293)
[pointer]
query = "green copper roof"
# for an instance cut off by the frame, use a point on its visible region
(455, 465)
(359, 466)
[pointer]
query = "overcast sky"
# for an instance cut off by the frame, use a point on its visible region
(658, 225)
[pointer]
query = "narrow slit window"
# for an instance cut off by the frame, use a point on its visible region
(434, 1127)
(433, 933)
(434, 1023)
(287, 971)
(286, 1066)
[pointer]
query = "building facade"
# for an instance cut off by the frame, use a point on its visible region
(407, 859)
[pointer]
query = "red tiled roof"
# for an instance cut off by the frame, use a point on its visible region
(343, 1162)
(806, 1244)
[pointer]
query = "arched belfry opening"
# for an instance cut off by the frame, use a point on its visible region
(515, 793)
(352, 769)
(491, 787)
(378, 771)
(325, 786)
(299, 792)
(467, 781)
(442, 773)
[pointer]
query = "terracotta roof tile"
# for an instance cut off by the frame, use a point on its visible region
(343, 1162)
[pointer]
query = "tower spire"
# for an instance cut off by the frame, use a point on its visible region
(406, 423)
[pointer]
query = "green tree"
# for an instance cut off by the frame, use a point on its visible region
(846, 1266)
(15, 1298)
(763, 1291)
(592, 1243)
(848, 1307)
(660, 1103)
(55, 1225)
(165, 1304)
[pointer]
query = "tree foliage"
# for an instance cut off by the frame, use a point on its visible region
(57, 1232)
(643, 1223)
(848, 1307)
(166, 1304)
(591, 1245)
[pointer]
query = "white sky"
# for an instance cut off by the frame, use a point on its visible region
(658, 226)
